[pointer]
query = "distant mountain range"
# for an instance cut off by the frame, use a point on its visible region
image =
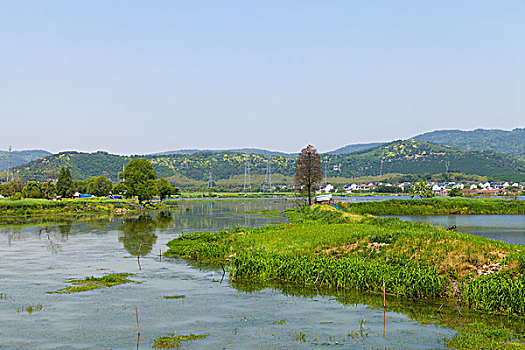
(403, 156)
(20, 157)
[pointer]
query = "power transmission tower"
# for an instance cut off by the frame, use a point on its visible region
(267, 187)
(9, 176)
(247, 181)
(210, 181)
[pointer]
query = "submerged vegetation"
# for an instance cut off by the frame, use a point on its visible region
(173, 340)
(91, 283)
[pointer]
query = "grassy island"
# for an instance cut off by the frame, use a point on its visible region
(437, 206)
(328, 248)
(96, 205)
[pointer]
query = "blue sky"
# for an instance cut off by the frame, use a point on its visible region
(134, 77)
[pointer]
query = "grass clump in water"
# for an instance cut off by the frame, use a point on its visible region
(173, 340)
(174, 297)
(31, 308)
(91, 283)
(279, 322)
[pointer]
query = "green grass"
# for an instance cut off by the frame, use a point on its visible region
(173, 340)
(437, 206)
(91, 283)
(28, 207)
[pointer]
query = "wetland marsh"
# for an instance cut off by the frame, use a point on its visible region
(185, 298)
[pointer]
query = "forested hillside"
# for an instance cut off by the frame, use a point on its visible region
(357, 147)
(508, 142)
(402, 157)
(20, 157)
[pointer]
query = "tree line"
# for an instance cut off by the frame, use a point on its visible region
(138, 180)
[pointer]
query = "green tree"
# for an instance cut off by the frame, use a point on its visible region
(421, 189)
(32, 190)
(308, 172)
(64, 186)
(98, 186)
(119, 188)
(139, 179)
(164, 188)
(455, 192)
(48, 189)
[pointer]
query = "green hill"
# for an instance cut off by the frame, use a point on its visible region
(419, 157)
(356, 147)
(233, 150)
(402, 157)
(20, 157)
(508, 142)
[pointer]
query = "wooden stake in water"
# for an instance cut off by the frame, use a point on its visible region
(160, 255)
(138, 257)
(137, 316)
(384, 293)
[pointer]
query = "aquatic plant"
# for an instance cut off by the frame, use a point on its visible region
(172, 340)
(91, 283)
(31, 308)
(174, 296)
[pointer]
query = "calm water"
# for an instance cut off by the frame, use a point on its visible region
(507, 228)
(41, 257)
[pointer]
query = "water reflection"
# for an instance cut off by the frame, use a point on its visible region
(138, 231)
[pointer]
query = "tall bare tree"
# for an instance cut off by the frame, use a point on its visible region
(308, 172)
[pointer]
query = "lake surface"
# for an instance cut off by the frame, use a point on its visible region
(507, 228)
(41, 257)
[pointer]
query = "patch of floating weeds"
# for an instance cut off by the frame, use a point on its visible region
(30, 309)
(279, 322)
(91, 283)
(3, 296)
(172, 340)
(174, 297)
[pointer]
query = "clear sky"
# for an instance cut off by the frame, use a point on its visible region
(133, 77)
